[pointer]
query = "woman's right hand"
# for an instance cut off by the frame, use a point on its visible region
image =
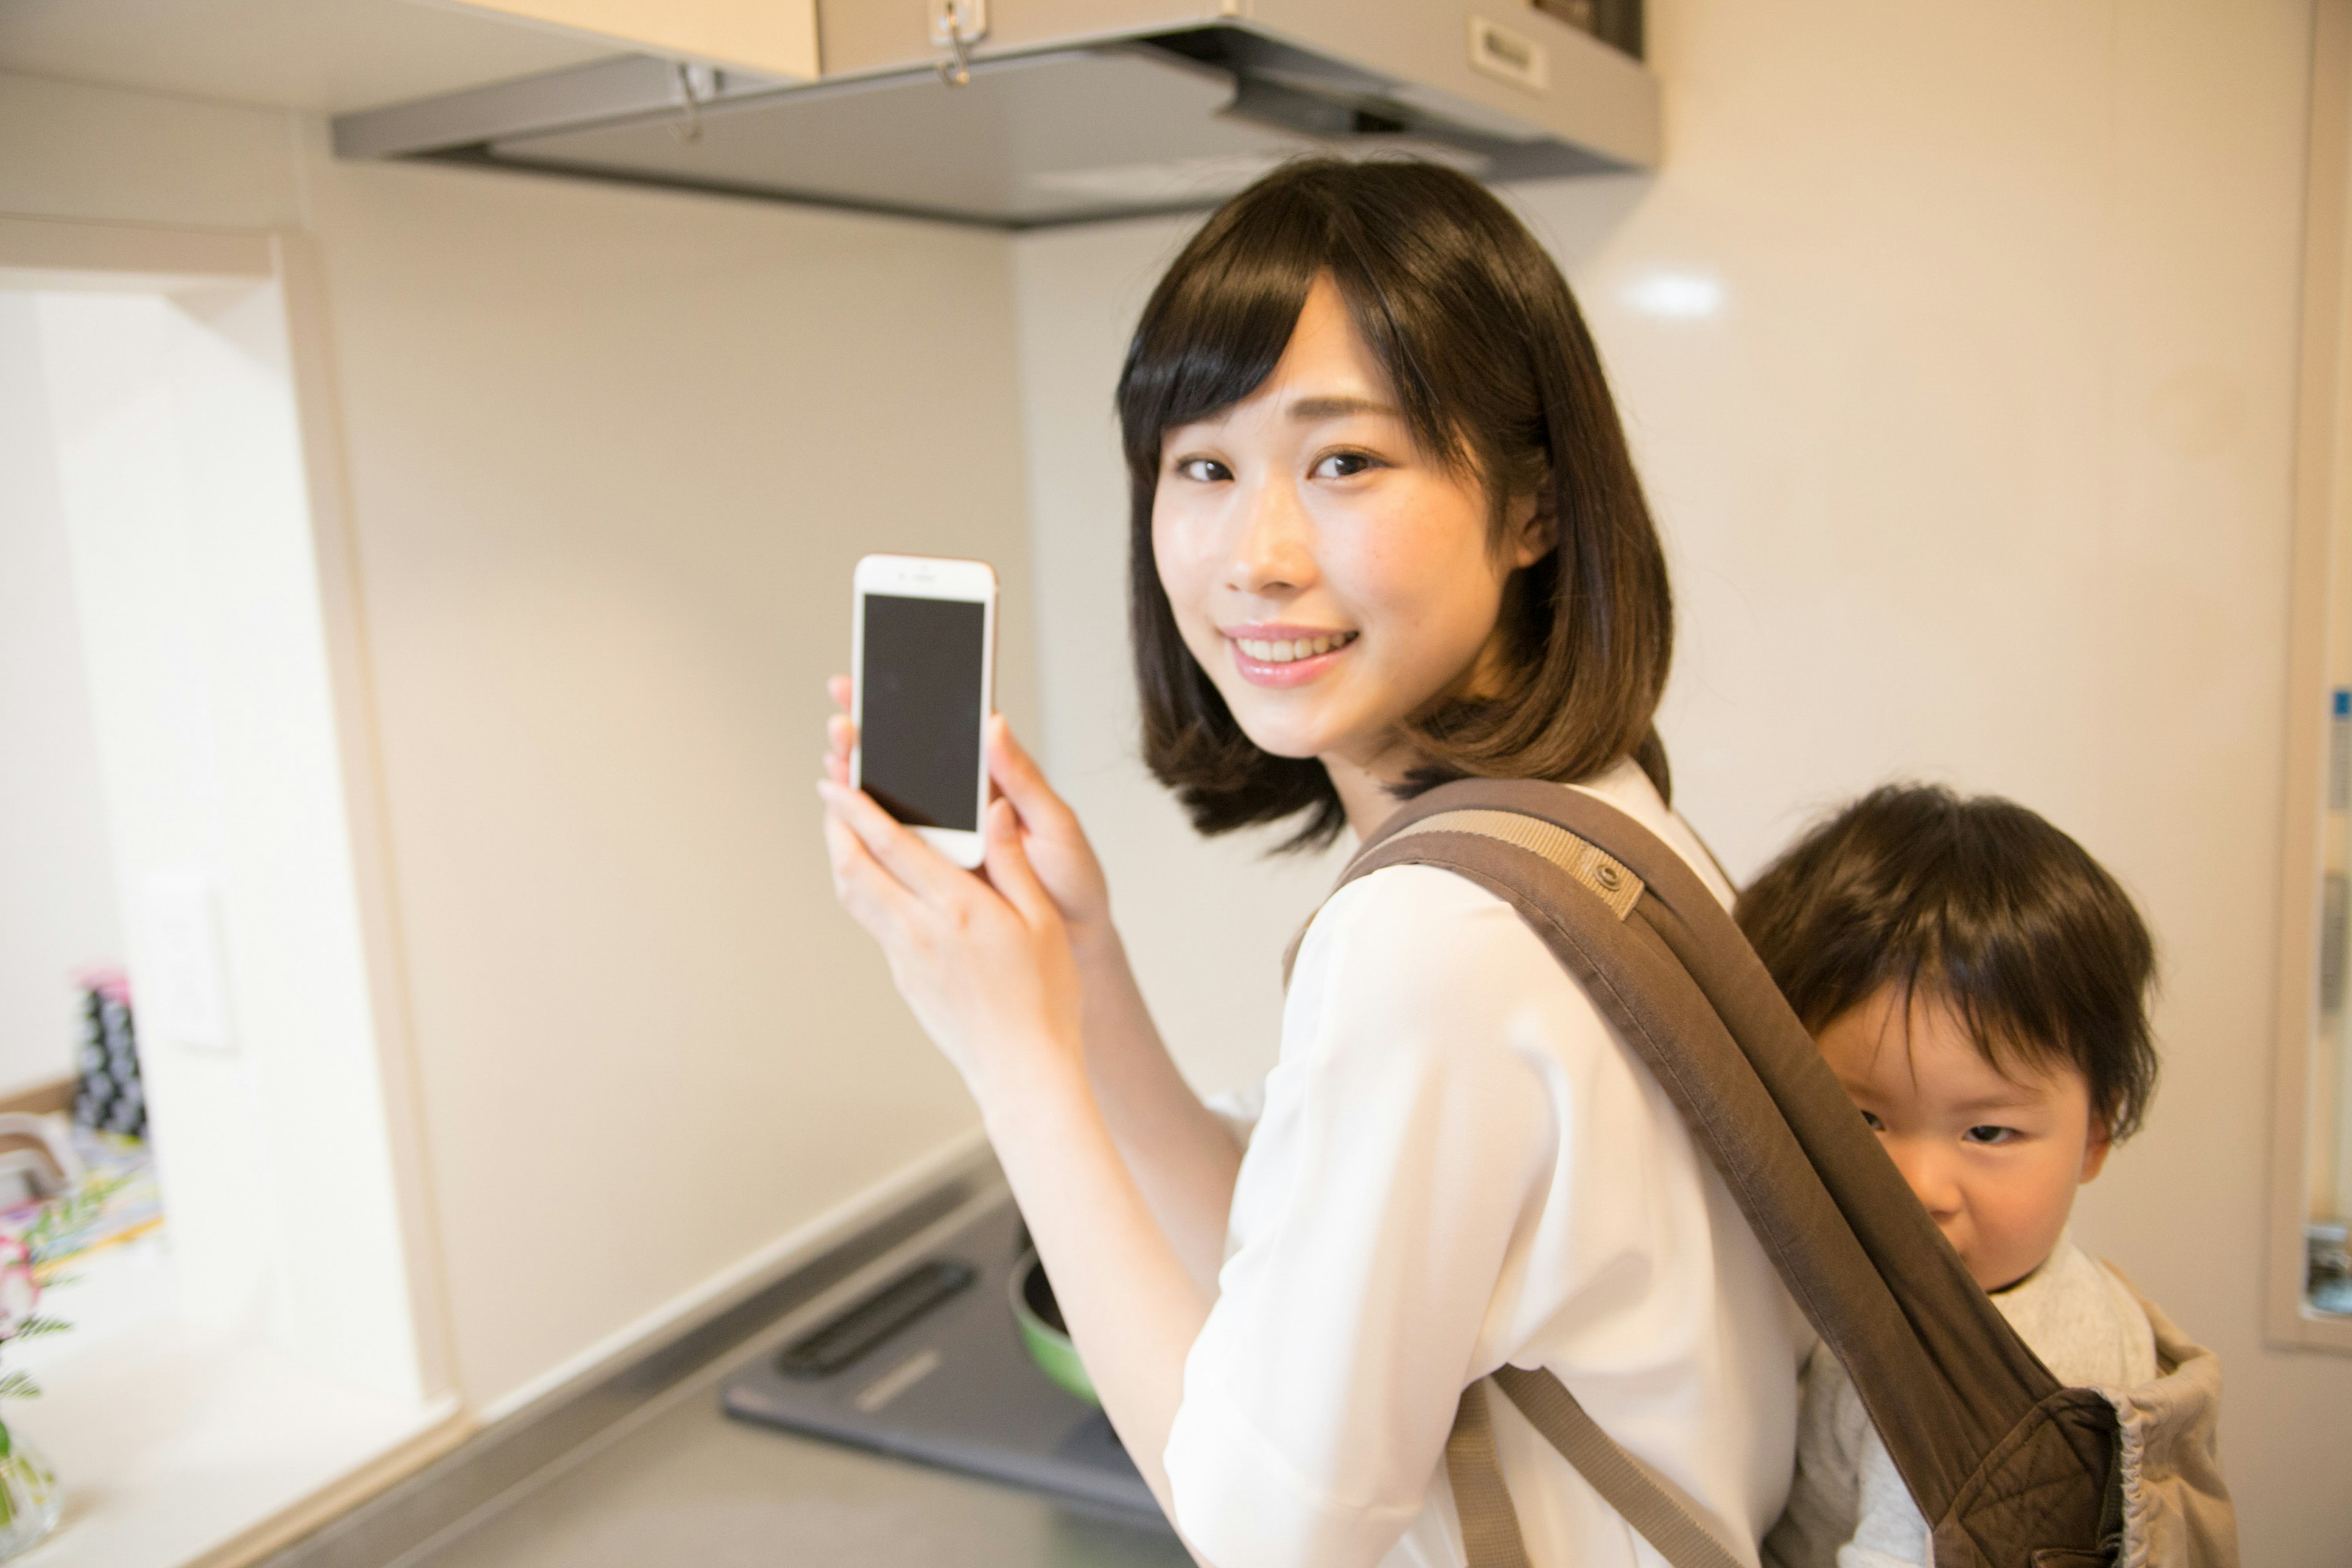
(1055, 844)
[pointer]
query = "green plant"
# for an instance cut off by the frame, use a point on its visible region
(32, 1263)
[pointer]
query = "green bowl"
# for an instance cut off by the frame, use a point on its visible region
(1040, 1319)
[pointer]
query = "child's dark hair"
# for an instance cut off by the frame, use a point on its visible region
(1498, 378)
(1979, 903)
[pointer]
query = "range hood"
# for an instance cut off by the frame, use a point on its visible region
(1022, 114)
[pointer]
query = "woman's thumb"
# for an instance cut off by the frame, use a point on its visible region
(1009, 871)
(1017, 773)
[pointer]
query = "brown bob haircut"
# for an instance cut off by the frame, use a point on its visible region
(1496, 377)
(1980, 904)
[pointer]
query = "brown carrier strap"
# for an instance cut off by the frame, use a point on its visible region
(1490, 1525)
(2002, 1460)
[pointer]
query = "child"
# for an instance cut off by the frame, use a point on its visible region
(1978, 983)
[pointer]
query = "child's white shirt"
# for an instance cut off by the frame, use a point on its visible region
(2074, 1313)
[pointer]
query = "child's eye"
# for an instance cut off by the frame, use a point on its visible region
(1345, 465)
(1870, 1120)
(1203, 470)
(1988, 1134)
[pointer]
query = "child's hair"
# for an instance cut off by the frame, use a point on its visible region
(1498, 378)
(1981, 903)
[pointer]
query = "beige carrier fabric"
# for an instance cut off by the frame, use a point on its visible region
(2176, 1508)
(2016, 1471)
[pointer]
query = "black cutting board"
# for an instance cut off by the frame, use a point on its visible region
(955, 1387)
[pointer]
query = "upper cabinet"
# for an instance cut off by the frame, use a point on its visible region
(774, 37)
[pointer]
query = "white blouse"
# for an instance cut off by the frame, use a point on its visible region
(1459, 1162)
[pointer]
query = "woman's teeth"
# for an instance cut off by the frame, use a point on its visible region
(1284, 652)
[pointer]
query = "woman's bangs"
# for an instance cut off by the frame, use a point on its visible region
(1213, 340)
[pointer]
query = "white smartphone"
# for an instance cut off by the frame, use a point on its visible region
(923, 681)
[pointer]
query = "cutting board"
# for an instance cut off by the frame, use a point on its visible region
(952, 1387)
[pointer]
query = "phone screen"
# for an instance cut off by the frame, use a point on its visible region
(918, 747)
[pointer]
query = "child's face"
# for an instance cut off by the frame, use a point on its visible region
(1995, 1158)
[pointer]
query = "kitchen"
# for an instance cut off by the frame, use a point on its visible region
(1961, 355)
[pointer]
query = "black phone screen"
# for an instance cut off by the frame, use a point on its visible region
(919, 714)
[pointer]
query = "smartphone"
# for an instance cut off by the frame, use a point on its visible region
(923, 682)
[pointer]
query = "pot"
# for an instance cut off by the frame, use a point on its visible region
(1043, 1332)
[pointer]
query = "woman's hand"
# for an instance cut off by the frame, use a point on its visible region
(985, 965)
(977, 986)
(1055, 844)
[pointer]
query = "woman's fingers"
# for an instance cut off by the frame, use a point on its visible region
(840, 740)
(1053, 844)
(872, 896)
(1009, 871)
(840, 732)
(918, 868)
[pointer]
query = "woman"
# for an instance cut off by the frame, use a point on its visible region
(1385, 532)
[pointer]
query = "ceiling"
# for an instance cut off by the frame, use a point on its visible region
(324, 56)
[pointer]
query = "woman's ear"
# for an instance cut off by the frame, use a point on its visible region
(1532, 527)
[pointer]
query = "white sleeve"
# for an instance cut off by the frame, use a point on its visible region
(1890, 1531)
(1403, 1140)
(1824, 1496)
(1239, 1109)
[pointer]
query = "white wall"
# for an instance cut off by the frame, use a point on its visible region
(57, 908)
(613, 455)
(609, 455)
(1958, 348)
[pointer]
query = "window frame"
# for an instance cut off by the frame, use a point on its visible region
(2322, 514)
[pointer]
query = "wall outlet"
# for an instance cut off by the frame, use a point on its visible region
(182, 989)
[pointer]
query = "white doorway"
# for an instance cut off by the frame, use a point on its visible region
(173, 450)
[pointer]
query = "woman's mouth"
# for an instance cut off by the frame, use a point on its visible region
(1285, 656)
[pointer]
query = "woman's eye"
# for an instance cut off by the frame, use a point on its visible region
(1870, 1120)
(1345, 465)
(1203, 470)
(1993, 1135)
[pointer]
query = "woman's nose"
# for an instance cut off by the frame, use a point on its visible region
(1273, 551)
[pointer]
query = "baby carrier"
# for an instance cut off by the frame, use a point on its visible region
(2010, 1469)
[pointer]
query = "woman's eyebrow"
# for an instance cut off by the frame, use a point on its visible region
(1337, 406)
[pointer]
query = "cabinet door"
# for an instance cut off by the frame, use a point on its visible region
(777, 38)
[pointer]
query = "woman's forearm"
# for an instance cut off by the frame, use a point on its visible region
(993, 968)
(1182, 1157)
(1132, 1304)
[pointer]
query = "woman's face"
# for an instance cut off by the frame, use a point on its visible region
(1331, 576)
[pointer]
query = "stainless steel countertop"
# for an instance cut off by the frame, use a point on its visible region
(639, 1466)
(689, 1486)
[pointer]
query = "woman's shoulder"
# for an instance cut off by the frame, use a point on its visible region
(1417, 954)
(1625, 786)
(1399, 919)
(1412, 941)
(1421, 902)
